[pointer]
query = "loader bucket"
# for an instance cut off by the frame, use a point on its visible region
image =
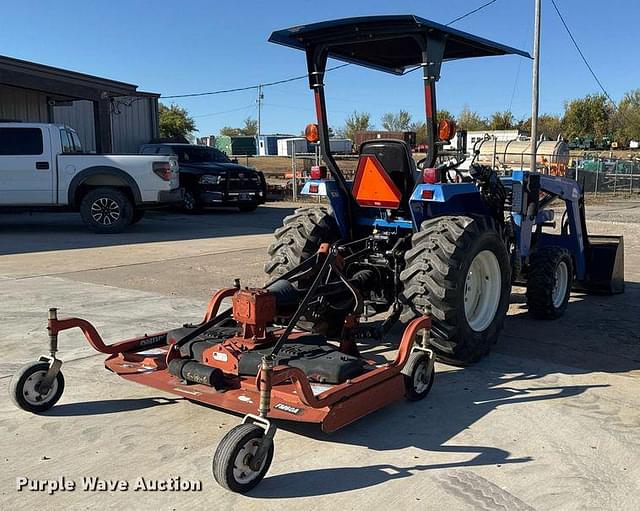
(605, 265)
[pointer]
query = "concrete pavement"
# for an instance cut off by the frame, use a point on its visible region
(548, 421)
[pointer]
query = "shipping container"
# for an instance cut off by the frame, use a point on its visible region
(236, 145)
(268, 144)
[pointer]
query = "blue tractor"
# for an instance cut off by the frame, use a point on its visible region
(430, 238)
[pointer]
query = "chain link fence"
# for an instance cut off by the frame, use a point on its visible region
(597, 175)
(607, 175)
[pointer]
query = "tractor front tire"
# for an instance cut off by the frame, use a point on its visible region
(299, 238)
(549, 282)
(458, 272)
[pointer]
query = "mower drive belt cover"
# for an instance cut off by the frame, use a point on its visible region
(318, 360)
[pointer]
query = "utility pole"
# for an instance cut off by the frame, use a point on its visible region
(535, 84)
(259, 100)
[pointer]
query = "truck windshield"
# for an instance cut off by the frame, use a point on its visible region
(195, 154)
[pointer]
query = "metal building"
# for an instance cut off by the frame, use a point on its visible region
(109, 116)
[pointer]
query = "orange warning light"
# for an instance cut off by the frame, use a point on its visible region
(373, 186)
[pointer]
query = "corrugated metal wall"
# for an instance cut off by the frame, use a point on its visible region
(132, 123)
(134, 119)
(23, 105)
(78, 116)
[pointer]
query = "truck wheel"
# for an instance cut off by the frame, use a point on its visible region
(190, 202)
(549, 283)
(138, 215)
(458, 272)
(299, 238)
(106, 210)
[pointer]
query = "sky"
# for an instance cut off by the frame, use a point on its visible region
(171, 47)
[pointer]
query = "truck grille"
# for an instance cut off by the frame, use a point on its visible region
(246, 182)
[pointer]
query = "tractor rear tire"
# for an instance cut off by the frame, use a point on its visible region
(458, 272)
(549, 282)
(299, 238)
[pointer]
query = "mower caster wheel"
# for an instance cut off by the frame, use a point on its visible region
(418, 374)
(232, 463)
(25, 388)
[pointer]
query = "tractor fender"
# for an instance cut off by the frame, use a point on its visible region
(445, 199)
(442, 192)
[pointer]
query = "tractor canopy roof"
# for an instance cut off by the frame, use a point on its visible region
(388, 43)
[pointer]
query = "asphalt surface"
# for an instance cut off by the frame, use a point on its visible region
(548, 421)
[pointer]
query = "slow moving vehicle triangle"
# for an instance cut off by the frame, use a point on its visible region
(373, 186)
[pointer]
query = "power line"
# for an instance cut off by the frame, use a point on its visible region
(584, 59)
(515, 85)
(225, 111)
(292, 79)
(250, 87)
(471, 12)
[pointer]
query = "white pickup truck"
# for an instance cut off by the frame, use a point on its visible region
(42, 167)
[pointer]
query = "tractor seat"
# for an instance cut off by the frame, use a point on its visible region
(395, 157)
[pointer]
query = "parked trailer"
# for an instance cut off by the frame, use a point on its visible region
(290, 146)
(362, 136)
(341, 145)
(515, 154)
(268, 144)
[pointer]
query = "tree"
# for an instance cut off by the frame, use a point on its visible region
(229, 131)
(549, 125)
(471, 121)
(396, 122)
(627, 118)
(420, 129)
(175, 122)
(588, 116)
(357, 121)
(250, 128)
(502, 121)
(445, 114)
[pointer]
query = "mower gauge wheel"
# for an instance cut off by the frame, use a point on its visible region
(418, 374)
(26, 392)
(232, 461)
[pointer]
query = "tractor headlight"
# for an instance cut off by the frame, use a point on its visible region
(211, 179)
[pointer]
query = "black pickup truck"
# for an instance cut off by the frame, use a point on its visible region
(210, 178)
